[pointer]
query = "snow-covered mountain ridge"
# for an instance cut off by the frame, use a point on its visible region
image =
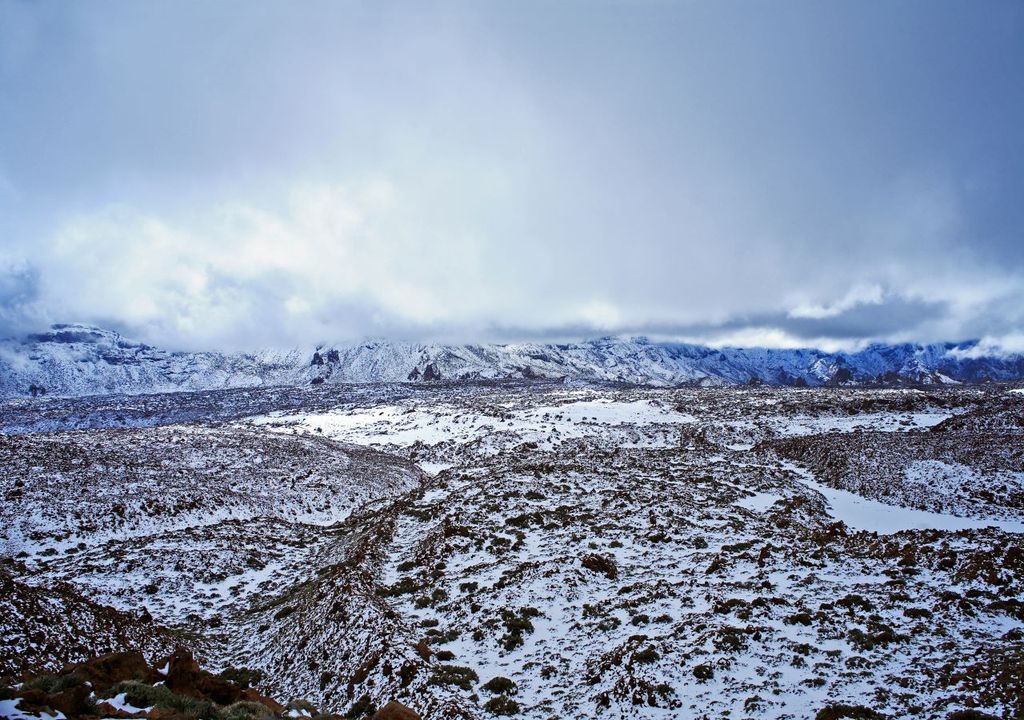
(74, 360)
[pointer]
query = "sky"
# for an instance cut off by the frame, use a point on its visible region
(248, 174)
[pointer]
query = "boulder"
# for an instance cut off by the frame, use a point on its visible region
(395, 710)
(73, 702)
(186, 678)
(107, 670)
(251, 695)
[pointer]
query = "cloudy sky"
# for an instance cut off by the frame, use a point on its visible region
(248, 174)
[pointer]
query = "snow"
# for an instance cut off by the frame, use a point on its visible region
(860, 513)
(9, 709)
(120, 702)
(402, 425)
(625, 474)
(883, 422)
(759, 501)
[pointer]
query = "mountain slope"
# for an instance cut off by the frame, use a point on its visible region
(74, 360)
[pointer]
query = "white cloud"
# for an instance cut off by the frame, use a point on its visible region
(245, 273)
(872, 294)
(1001, 346)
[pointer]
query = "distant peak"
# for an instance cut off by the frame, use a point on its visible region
(75, 333)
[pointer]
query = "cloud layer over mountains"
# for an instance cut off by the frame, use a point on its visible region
(789, 175)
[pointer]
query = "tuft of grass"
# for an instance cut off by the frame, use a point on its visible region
(140, 694)
(53, 684)
(245, 710)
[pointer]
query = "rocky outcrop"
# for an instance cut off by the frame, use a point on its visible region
(124, 685)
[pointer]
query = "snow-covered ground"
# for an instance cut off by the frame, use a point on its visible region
(571, 416)
(626, 553)
(861, 513)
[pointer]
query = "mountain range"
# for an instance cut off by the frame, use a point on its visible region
(77, 360)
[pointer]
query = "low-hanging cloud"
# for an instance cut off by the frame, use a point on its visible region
(476, 172)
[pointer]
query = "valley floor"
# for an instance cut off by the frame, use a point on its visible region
(533, 549)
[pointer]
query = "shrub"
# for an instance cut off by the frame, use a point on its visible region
(403, 587)
(851, 601)
(284, 612)
(647, 655)
(731, 639)
(917, 613)
(801, 618)
(462, 677)
(245, 710)
(53, 684)
(243, 677)
(517, 623)
(852, 712)
(362, 707)
(877, 634)
(502, 705)
(500, 686)
(601, 564)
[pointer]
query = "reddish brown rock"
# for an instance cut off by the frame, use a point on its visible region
(33, 700)
(73, 702)
(395, 710)
(252, 696)
(186, 678)
(107, 670)
(422, 650)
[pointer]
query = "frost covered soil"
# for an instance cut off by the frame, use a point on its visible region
(553, 552)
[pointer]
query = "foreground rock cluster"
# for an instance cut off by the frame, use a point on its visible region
(124, 685)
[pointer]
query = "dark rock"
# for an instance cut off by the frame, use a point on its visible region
(841, 376)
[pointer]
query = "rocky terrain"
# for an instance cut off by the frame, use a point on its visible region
(174, 687)
(76, 360)
(531, 549)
